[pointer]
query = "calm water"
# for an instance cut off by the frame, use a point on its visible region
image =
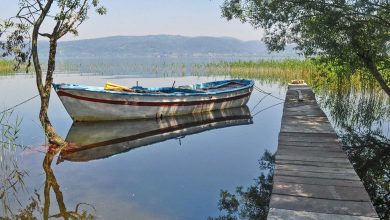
(198, 167)
(180, 177)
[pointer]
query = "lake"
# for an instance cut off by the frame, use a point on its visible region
(190, 171)
(177, 178)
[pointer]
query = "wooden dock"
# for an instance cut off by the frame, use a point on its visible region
(313, 177)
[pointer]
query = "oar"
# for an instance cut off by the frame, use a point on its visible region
(118, 88)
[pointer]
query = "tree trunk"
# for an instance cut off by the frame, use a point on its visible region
(368, 60)
(371, 66)
(50, 132)
(44, 90)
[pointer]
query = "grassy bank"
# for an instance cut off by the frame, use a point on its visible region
(6, 67)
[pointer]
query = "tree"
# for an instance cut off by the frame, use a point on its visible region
(353, 33)
(21, 34)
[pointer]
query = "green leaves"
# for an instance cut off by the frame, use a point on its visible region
(354, 32)
(101, 10)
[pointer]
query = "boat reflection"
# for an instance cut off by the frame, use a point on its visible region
(97, 140)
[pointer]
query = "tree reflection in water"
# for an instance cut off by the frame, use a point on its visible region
(252, 202)
(35, 209)
(370, 155)
(362, 119)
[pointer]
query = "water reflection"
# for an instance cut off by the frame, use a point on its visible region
(13, 190)
(370, 155)
(362, 120)
(51, 183)
(365, 110)
(11, 175)
(96, 140)
(253, 202)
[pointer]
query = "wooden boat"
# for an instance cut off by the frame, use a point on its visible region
(96, 140)
(88, 103)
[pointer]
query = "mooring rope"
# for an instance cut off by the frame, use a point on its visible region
(261, 110)
(21, 103)
(266, 95)
(258, 103)
(262, 91)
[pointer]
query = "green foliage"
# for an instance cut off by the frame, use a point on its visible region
(354, 33)
(325, 78)
(19, 33)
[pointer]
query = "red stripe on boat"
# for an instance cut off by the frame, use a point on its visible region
(117, 102)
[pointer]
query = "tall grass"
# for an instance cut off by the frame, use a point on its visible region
(11, 175)
(320, 76)
(6, 67)
(281, 71)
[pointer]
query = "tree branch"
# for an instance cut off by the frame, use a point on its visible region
(45, 35)
(69, 25)
(34, 48)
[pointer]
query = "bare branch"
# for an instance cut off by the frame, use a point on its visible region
(25, 19)
(39, 4)
(45, 35)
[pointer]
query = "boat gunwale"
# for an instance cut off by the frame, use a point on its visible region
(77, 87)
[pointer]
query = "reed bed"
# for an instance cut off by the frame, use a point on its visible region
(6, 67)
(281, 71)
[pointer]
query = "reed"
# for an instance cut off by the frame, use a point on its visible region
(281, 71)
(6, 67)
(11, 175)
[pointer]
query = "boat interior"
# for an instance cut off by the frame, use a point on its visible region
(217, 86)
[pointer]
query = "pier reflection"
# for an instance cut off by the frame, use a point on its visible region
(97, 140)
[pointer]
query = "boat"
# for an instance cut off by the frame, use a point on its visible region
(102, 139)
(90, 103)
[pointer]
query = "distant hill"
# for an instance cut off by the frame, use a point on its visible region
(162, 46)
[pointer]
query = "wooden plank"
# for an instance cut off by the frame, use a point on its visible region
(317, 181)
(310, 148)
(294, 134)
(309, 127)
(323, 175)
(343, 164)
(307, 138)
(310, 158)
(311, 153)
(307, 168)
(283, 214)
(345, 193)
(322, 205)
(310, 144)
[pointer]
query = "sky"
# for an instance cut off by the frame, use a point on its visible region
(151, 17)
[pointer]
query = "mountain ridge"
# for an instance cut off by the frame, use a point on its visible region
(161, 46)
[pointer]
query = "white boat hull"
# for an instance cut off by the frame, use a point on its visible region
(84, 105)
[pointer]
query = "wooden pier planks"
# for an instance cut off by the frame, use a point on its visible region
(313, 177)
